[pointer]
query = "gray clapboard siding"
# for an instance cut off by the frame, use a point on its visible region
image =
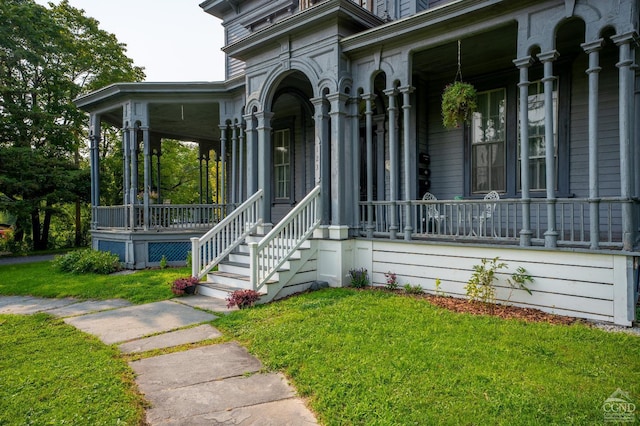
(446, 150)
(557, 288)
(235, 31)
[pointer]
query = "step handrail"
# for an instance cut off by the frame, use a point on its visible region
(208, 250)
(268, 255)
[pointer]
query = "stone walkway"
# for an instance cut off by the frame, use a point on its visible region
(218, 384)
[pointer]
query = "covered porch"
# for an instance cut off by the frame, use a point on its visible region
(548, 160)
(146, 218)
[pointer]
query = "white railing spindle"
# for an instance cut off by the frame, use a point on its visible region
(285, 238)
(208, 250)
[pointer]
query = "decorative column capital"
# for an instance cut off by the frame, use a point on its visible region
(368, 96)
(390, 92)
(524, 62)
(592, 46)
(406, 89)
(625, 38)
(549, 56)
(264, 119)
(337, 99)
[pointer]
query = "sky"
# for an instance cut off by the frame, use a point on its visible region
(174, 40)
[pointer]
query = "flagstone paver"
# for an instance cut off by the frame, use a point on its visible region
(87, 307)
(26, 305)
(121, 325)
(173, 338)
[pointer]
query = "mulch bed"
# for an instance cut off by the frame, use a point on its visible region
(479, 308)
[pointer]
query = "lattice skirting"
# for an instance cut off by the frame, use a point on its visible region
(173, 251)
(115, 247)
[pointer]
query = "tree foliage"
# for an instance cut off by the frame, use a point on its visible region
(48, 57)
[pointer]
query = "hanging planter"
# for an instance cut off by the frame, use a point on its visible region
(459, 101)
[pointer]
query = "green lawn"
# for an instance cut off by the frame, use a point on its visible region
(372, 358)
(41, 279)
(360, 357)
(53, 374)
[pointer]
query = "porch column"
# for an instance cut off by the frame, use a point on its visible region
(593, 49)
(200, 181)
(625, 109)
(217, 161)
(252, 166)
(146, 153)
(133, 173)
(234, 163)
(94, 138)
(223, 163)
(380, 163)
(207, 157)
(265, 164)
(368, 99)
(551, 234)
(322, 165)
(125, 165)
(393, 162)
(523, 64)
(354, 154)
(408, 177)
(241, 168)
(339, 179)
(158, 174)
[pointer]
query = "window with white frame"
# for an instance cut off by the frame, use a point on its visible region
(537, 143)
(488, 137)
(282, 164)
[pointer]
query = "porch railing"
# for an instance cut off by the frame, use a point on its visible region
(498, 221)
(161, 216)
(285, 238)
(208, 250)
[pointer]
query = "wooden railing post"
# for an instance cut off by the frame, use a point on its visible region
(253, 262)
(195, 256)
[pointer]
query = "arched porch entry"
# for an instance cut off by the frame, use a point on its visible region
(292, 144)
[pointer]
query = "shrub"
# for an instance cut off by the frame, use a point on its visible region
(413, 289)
(163, 262)
(392, 280)
(481, 286)
(359, 278)
(181, 285)
(242, 299)
(88, 261)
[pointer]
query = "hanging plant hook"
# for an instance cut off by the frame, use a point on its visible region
(459, 72)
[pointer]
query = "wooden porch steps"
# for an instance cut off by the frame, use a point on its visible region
(234, 272)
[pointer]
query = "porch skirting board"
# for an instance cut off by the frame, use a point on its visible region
(143, 249)
(595, 286)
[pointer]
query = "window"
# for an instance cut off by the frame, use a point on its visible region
(282, 164)
(488, 133)
(537, 145)
(492, 138)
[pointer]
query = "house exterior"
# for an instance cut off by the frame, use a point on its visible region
(329, 135)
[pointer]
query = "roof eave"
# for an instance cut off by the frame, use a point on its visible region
(298, 21)
(398, 29)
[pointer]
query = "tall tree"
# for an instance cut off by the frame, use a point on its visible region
(48, 57)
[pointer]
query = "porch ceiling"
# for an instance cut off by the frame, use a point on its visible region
(184, 111)
(490, 51)
(480, 53)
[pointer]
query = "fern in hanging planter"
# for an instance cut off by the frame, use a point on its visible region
(459, 102)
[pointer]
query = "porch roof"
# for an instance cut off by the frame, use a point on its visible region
(182, 110)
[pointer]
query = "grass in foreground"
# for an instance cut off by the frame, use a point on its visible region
(52, 373)
(378, 359)
(41, 279)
